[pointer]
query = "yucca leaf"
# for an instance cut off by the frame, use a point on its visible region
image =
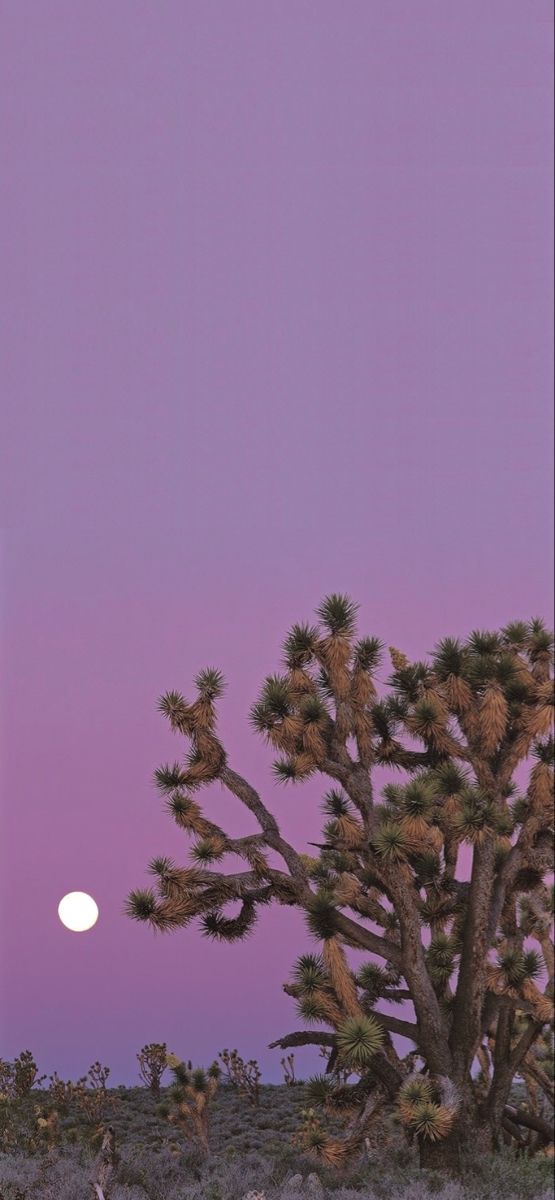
(299, 645)
(338, 613)
(367, 654)
(483, 641)
(335, 803)
(141, 905)
(318, 1089)
(169, 777)
(358, 1040)
(309, 972)
(391, 842)
(210, 683)
(448, 658)
(321, 917)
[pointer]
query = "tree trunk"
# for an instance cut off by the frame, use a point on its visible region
(468, 1136)
(444, 1156)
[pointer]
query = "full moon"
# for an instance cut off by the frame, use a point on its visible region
(78, 911)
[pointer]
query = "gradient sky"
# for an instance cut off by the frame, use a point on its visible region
(276, 316)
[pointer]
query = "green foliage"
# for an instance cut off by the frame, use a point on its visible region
(474, 816)
(358, 1040)
(299, 645)
(373, 979)
(319, 1089)
(141, 905)
(367, 654)
(321, 917)
(518, 965)
(391, 842)
(483, 642)
(210, 683)
(338, 613)
(171, 703)
(441, 958)
(544, 751)
(313, 710)
(516, 634)
(410, 679)
(309, 972)
(419, 797)
(335, 804)
(450, 779)
(448, 658)
(160, 866)
(207, 851)
(169, 777)
(285, 770)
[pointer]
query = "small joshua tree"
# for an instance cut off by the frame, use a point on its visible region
(288, 1065)
(189, 1100)
(98, 1076)
(18, 1126)
(90, 1094)
(61, 1093)
(153, 1061)
(245, 1076)
(389, 877)
(18, 1078)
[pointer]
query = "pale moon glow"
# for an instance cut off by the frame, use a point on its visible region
(78, 911)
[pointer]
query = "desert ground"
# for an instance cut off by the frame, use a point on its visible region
(252, 1154)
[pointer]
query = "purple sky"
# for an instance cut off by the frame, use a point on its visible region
(276, 321)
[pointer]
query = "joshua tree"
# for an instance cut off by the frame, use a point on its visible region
(288, 1066)
(245, 1076)
(440, 879)
(189, 1100)
(153, 1061)
(18, 1078)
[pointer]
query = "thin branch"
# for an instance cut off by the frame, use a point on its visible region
(250, 798)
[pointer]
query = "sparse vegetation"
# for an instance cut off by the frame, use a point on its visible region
(251, 1149)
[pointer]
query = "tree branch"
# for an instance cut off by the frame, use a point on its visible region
(395, 1025)
(250, 798)
(530, 1120)
(303, 1038)
(357, 935)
